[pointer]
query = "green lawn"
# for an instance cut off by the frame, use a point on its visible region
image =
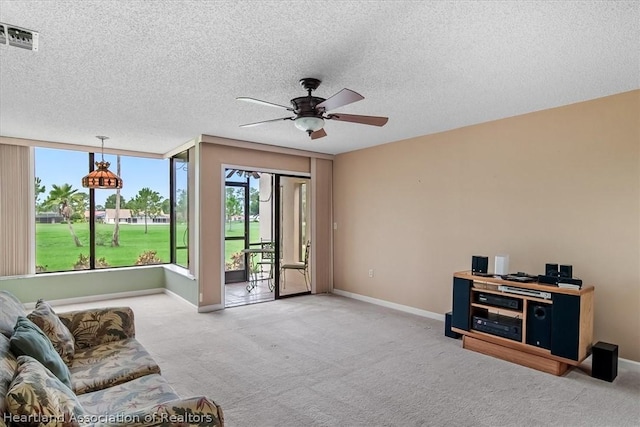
(56, 250)
(237, 229)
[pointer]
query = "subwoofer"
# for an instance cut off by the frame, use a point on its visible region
(604, 361)
(447, 327)
(539, 325)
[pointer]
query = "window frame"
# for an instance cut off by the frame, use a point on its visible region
(173, 202)
(92, 220)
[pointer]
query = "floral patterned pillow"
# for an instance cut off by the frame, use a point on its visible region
(8, 366)
(37, 397)
(59, 335)
(10, 309)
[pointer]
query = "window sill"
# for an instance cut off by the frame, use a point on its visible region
(179, 270)
(97, 270)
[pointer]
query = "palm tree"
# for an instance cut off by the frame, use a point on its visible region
(61, 197)
(115, 238)
(39, 189)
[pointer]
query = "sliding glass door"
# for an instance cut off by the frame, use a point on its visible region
(267, 233)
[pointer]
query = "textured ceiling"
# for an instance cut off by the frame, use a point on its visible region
(153, 75)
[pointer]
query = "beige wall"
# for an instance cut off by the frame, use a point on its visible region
(212, 157)
(560, 185)
(321, 223)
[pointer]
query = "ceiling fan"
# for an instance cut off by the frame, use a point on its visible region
(310, 112)
(242, 173)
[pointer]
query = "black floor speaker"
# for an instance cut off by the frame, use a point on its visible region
(604, 361)
(447, 327)
(539, 325)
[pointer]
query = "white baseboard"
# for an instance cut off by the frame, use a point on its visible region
(210, 308)
(395, 306)
(101, 297)
(623, 364)
(626, 364)
(630, 365)
(180, 297)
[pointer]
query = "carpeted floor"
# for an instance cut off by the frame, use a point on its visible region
(325, 360)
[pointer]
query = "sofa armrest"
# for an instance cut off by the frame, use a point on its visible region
(98, 326)
(194, 411)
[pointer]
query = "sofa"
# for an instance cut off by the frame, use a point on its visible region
(85, 368)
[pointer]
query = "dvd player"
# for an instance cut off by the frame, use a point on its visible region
(526, 292)
(502, 326)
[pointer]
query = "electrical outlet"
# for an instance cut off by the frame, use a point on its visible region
(335, 225)
(371, 272)
(201, 298)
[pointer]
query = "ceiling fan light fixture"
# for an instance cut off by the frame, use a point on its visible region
(309, 123)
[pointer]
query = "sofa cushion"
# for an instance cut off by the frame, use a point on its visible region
(10, 309)
(61, 338)
(109, 364)
(92, 327)
(129, 396)
(8, 366)
(37, 393)
(29, 340)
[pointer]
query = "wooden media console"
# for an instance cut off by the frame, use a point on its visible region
(536, 325)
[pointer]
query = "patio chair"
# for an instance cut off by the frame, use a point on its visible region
(268, 259)
(301, 267)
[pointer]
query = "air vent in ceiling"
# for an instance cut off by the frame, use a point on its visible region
(18, 37)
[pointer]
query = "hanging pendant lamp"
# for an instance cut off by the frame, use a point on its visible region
(102, 177)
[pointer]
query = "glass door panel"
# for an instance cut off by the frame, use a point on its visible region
(261, 228)
(294, 231)
(236, 232)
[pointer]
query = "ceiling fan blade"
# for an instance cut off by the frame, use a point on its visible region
(258, 101)
(265, 121)
(344, 97)
(354, 118)
(318, 134)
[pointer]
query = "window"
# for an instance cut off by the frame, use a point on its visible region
(180, 211)
(62, 231)
(129, 226)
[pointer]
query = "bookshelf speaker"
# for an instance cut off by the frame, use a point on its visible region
(551, 269)
(479, 264)
(566, 271)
